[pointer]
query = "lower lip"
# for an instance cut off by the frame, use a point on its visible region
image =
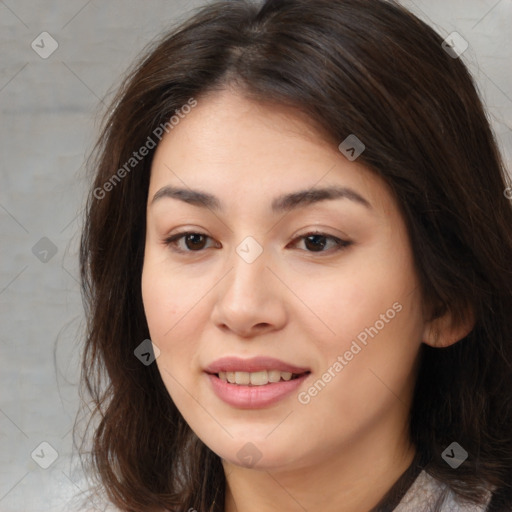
(254, 397)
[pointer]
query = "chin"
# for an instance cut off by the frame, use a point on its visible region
(255, 451)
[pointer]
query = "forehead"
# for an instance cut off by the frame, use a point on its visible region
(233, 147)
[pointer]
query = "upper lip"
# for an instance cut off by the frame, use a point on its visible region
(253, 364)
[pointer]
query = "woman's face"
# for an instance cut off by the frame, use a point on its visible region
(341, 309)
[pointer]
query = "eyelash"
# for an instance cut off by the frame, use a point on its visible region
(172, 240)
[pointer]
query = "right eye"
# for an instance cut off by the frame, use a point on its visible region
(192, 241)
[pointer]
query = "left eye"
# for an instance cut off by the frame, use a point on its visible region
(318, 241)
(195, 242)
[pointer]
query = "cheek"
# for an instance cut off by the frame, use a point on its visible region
(367, 369)
(167, 303)
(346, 302)
(159, 304)
(371, 309)
(166, 296)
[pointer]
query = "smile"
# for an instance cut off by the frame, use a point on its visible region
(254, 383)
(260, 378)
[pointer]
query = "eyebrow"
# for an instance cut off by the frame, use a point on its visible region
(280, 204)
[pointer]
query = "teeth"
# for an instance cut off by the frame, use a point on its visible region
(254, 378)
(259, 378)
(274, 376)
(243, 378)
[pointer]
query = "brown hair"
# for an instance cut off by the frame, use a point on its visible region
(368, 68)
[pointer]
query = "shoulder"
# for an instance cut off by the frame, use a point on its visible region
(428, 493)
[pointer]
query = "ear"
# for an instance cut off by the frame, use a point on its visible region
(445, 330)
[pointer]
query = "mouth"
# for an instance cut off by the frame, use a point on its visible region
(259, 378)
(254, 383)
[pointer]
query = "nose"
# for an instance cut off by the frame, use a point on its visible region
(250, 300)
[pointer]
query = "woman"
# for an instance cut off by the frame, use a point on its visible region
(296, 266)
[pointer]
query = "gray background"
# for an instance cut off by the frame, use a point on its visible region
(49, 119)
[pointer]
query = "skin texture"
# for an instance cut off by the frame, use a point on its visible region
(349, 443)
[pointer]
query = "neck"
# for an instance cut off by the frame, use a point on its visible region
(353, 479)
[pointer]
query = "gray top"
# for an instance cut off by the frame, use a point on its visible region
(426, 493)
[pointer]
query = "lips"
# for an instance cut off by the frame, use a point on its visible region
(252, 365)
(254, 383)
